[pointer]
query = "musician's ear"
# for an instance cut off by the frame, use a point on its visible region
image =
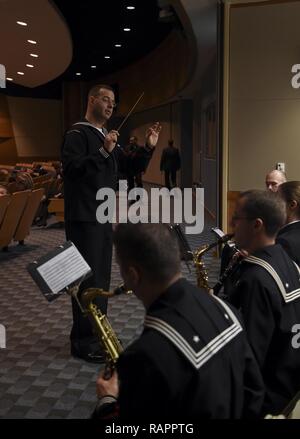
(293, 205)
(258, 224)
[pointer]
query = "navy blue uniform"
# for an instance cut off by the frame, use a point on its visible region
(88, 167)
(192, 361)
(289, 238)
(267, 291)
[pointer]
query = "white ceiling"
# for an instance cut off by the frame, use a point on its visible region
(47, 27)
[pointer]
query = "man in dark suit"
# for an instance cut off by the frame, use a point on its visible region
(170, 164)
(289, 235)
(89, 161)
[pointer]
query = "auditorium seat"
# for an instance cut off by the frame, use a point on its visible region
(23, 228)
(56, 206)
(4, 202)
(12, 217)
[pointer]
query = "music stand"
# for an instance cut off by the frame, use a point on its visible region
(59, 271)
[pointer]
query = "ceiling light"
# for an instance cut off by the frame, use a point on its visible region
(29, 65)
(22, 23)
(21, 73)
(107, 57)
(118, 45)
(31, 41)
(78, 74)
(130, 8)
(127, 29)
(93, 67)
(9, 79)
(34, 55)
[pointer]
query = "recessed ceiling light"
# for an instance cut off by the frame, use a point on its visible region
(34, 55)
(31, 41)
(130, 7)
(29, 65)
(107, 57)
(22, 23)
(21, 73)
(118, 45)
(127, 29)
(93, 67)
(78, 74)
(9, 79)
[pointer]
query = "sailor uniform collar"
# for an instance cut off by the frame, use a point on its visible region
(180, 326)
(263, 258)
(85, 122)
(289, 225)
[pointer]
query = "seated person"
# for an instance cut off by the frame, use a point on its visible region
(267, 292)
(274, 179)
(192, 360)
(3, 190)
(289, 235)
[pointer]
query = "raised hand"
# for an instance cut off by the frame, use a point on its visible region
(152, 134)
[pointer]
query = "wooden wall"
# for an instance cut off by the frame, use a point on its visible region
(8, 149)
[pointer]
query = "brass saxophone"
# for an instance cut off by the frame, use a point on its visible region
(201, 271)
(108, 339)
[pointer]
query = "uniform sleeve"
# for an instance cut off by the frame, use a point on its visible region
(75, 158)
(254, 390)
(143, 391)
(252, 297)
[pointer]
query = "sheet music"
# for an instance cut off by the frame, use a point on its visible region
(64, 269)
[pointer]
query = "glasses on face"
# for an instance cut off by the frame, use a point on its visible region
(107, 100)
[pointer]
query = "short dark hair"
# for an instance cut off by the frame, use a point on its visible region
(94, 91)
(290, 191)
(267, 206)
(152, 247)
(171, 142)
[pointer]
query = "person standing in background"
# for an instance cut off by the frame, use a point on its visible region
(170, 163)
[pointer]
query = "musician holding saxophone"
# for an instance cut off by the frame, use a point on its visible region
(267, 291)
(192, 360)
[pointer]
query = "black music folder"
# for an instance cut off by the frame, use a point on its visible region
(58, 270)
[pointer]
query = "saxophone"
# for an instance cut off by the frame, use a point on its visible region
(108, 339)
(201, 271)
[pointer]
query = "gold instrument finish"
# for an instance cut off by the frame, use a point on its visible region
(107, 337)
(201, 271)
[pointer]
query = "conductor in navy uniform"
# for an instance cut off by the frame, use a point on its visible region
(90, 162)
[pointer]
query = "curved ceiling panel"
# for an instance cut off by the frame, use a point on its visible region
(47, 28)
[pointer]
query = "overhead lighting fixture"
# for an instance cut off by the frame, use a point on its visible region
(22, 23)
(29, 65)
(21, 73)
(31, 41)
(78, 74)
(34, 55)
(130, 8)
(107, 57)
(127, 29)
(118, 45)
(93, 67)
(9, 79)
